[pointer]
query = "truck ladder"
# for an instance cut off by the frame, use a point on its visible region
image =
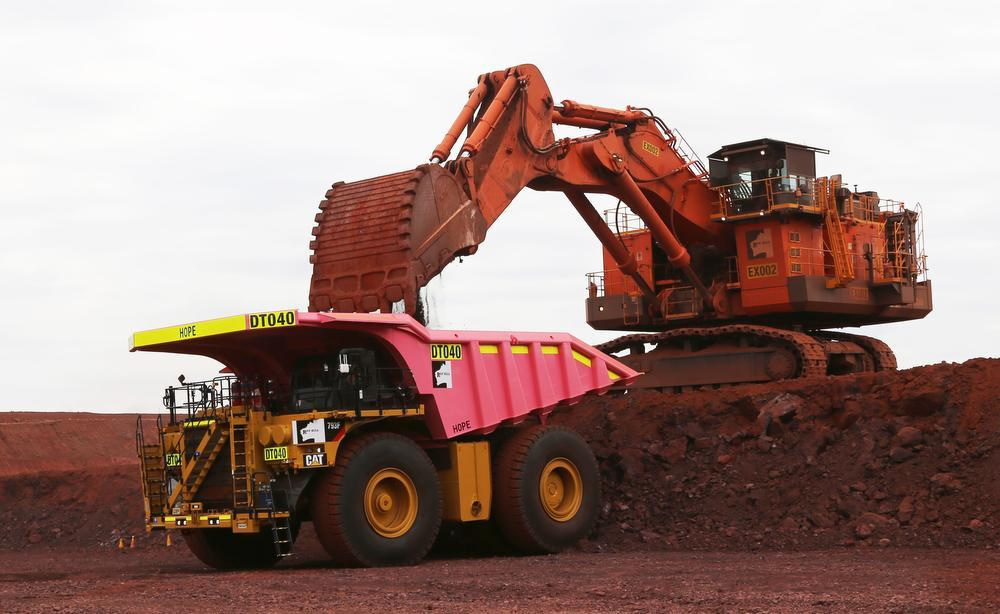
(153, 468)
(242, 478)
(281, 526)
(843, 264)
(154, 484)
(195, 470)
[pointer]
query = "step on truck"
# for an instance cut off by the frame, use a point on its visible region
(374, 428)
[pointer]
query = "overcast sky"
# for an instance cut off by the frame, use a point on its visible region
(162, 162)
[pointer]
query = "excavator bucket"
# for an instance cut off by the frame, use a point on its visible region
(379, 240)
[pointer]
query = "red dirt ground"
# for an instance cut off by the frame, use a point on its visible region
(893, 580)
(811, 494)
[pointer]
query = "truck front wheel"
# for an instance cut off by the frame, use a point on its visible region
(380, 504)
(546, 489)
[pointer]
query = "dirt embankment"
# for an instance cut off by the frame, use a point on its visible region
(906, 458)
(68, 478)
(909, 458)
(34, 442)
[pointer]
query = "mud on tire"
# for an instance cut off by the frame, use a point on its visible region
(359, 505)
(545, 517)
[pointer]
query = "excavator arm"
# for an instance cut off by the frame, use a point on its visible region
(379, 240)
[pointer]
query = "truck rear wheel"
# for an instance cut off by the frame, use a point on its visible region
(380, 504)
(546, 489)
(224, 549)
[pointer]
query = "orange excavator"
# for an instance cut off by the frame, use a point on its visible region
(725, 275)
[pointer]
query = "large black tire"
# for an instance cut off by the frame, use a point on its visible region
(351, 526)
(222, 549)
(573, 488)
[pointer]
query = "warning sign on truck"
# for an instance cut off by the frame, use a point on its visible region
(318, 430)
(442, 374)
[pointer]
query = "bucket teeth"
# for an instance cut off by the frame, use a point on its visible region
(379, 240)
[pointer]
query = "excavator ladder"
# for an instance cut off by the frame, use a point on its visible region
(899, 261)
(843, 264)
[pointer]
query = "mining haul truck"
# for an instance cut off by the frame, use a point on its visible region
(374, 428)
(725, 274)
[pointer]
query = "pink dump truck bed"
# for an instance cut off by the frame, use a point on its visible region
(469, 381)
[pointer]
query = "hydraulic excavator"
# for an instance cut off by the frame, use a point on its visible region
(724, 275)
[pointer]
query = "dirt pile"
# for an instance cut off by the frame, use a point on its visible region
(906, 458)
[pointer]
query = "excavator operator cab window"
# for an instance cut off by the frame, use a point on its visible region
(351, 379)
(756, 175)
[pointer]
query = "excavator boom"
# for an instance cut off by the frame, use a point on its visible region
(378, 241)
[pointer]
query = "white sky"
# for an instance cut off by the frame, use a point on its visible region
(161, 162)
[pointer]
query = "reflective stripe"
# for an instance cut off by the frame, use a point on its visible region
(374, 413)
(517, 349)
(197, 423)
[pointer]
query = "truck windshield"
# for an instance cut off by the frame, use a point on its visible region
(353, 378)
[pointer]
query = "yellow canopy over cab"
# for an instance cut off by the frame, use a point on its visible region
(217, 326)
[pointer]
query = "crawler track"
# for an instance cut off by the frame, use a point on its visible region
(882, 354)
(811, 357)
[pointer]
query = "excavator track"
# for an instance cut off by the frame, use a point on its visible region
(881, 353)
(809, 354)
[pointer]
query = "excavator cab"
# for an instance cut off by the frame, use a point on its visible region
(753, 176)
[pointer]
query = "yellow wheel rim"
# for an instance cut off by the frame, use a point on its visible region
(391, 503)
(561, 489)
